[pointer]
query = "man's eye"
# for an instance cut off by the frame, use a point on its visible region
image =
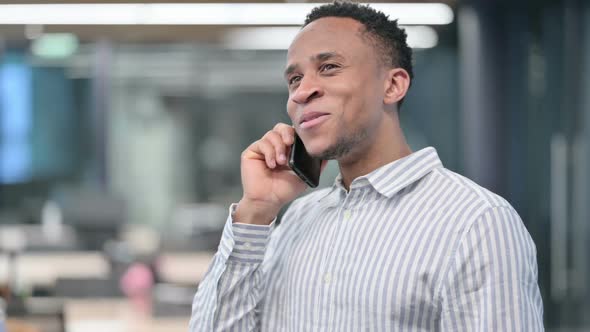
(328, 66)
(294, 80)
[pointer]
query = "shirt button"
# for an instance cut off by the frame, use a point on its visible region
(327, 278)
(247, 245)
(346, 214)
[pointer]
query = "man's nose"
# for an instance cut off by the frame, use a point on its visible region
(308, 89)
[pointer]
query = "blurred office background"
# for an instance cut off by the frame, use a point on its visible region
(121, 130)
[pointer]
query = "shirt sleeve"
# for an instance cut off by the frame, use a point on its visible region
(491, 284)
(228, 295)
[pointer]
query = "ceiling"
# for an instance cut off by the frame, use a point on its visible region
(14, 34)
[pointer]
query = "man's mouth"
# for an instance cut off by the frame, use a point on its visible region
(312, 119)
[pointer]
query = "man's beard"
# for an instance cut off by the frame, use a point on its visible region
(344, 144)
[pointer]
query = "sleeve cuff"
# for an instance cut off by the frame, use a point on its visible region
(249, 240)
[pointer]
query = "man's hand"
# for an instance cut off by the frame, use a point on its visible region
(267, 180)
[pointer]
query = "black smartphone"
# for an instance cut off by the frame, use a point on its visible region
(305, 166)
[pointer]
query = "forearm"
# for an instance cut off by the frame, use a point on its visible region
(233, 287)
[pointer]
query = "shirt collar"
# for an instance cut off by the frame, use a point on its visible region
(389, 179)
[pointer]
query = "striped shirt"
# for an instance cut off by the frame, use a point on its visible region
(411, 247)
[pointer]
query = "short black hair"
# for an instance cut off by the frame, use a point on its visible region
(385, 34)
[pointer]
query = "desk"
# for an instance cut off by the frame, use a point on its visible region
(99, 315)
(15, 325)
(183, 268)
(42, 269)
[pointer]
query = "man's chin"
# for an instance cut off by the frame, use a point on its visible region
(340, 148)
(320, 154)
(321, 151)
(316, 154)
(330, 153)
(315, 150)
(326, 150)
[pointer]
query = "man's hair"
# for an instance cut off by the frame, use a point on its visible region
(384, 34)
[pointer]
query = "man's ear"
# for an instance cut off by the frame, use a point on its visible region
(397, 84)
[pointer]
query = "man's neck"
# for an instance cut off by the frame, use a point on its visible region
(389, 149)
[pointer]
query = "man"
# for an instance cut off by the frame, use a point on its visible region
(398, 243)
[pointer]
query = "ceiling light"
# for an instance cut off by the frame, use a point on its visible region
(202, 13)
(275, 38)
(421, 37)
(55, 45)
(279, 38)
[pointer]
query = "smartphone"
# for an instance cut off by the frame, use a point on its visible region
(305, 166)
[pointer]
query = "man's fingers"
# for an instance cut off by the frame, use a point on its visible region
(268, 150)
(261, 150)
(279, 146)
(253, 152)
(287, 133)
(273, 147)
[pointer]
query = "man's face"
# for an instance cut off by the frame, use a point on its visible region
(336, 87)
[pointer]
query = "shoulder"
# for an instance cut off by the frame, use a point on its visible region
(479, 194)
(482, 210)
(495, 216)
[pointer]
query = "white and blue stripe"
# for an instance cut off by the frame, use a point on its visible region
(411, 247)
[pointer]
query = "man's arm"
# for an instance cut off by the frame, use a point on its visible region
(491, 283)
(233, 287)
